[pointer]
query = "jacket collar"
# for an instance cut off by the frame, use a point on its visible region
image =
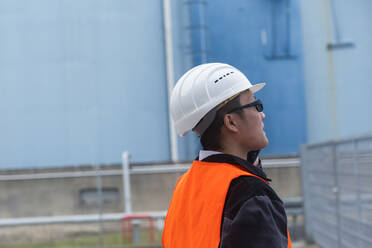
(231, 159)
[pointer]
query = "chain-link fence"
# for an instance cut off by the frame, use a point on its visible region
(337, 189)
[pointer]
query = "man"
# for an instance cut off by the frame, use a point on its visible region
(224, 199)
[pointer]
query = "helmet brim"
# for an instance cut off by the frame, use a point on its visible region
(256, 87)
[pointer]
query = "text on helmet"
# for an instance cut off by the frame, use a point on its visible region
(223, 76)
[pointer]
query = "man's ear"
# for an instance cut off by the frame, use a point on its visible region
(230, 123)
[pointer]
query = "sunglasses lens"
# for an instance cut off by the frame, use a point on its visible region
(259, 107)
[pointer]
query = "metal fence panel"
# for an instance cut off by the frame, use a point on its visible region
(337, 189)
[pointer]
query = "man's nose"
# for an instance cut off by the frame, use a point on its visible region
(263, 115)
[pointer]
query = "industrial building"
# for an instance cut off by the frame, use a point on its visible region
(83, 81)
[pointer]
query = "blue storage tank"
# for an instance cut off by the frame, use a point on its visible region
(82, 81)
(337, 46)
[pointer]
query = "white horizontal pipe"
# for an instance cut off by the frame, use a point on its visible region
(74, 218)
(137, 170)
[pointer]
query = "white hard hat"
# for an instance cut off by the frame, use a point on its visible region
(201, 89)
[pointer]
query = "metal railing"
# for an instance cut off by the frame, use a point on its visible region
(337, 190)
(104, 226)
(137, 169)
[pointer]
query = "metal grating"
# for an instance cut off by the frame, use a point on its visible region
(337, 188)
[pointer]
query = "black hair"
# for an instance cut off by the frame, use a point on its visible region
(211, 138)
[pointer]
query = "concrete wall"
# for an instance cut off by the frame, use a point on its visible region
(150, 192)
(286, 181)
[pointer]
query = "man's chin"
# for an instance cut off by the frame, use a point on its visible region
(266, 140)
(261, 145)
(264, 144)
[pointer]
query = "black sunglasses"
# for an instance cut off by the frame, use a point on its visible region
(257, 104)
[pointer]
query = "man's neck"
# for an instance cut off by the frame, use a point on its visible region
(206, 153)
(235, 151)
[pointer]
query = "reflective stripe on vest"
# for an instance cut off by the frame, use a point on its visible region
(195, 212)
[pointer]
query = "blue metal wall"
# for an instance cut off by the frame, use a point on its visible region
(263, 40)
(184, 53)
(337, 64)
(82, 81)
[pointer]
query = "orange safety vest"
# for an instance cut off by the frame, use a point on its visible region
(195, 212)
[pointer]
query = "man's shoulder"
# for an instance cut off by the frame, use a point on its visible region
(243, 188)
(248, 186)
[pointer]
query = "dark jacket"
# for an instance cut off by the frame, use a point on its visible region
(253, 215)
